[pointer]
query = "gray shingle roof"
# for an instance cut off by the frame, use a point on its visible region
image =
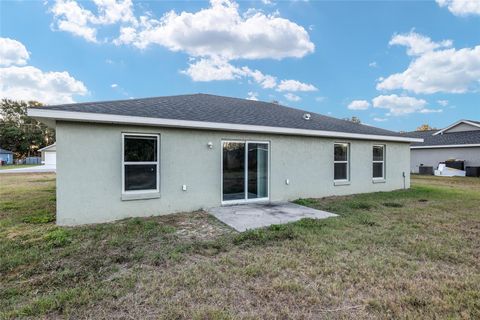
(453, 138)
(219, 109)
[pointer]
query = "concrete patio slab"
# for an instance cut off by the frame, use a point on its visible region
(252, 216)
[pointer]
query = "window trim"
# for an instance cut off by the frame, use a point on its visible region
(384, 148)
(347, 180)
(157, 163)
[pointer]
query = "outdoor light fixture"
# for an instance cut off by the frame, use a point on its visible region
(210, 145)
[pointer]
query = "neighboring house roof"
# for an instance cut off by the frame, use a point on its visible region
(47, 148)
(3, 151)
(205, 111)
(446, 140)
(472, 123)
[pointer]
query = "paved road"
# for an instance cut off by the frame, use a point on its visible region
(37, 169)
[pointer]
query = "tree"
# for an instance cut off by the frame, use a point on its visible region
(18, 132)
(425, 127)
(353, 119)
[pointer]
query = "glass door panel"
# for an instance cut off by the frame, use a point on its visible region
(257, 170)
(233, 171)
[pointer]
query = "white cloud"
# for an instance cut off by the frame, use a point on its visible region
(443, 103)
(292, 97)
(449, 71)
(379, 119)
(30, 83)
(418, 44)
(113, 85)
(211, 69)
(264, 80)
(373, 64)
(431, 110)
(359, 105)
(294, 85)
(12, 52)
(221, 31)
(71, 17)
(320, 99)
(434, 67)
(398, 105)
(252, 96)
(461, 7)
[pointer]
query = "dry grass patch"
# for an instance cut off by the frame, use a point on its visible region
(402, 254)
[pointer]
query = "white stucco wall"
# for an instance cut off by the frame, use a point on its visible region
(432, 157)
(89, 170)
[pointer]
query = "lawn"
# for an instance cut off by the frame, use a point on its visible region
(403, 254)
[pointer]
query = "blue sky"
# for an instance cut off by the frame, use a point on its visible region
(394, 65)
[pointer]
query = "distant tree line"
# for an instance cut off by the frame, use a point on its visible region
(19, 133)
(425, 127)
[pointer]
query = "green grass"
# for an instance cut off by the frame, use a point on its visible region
(16, 166)
(403, 254)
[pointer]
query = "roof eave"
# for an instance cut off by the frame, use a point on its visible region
(456, 124)
(49, 115)
(439, 146)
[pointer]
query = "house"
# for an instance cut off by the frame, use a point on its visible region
(460, 140)
(154, 156)
(49, 155)
(6, 157)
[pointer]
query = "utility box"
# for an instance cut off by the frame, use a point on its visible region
(425, 170)
(473, 171)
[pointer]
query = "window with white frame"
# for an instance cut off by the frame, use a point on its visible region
(341, 162)
(140, 166)
(378, 168)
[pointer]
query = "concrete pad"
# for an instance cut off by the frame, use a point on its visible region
(252, 216)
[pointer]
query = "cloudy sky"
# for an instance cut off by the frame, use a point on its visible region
(394, 65)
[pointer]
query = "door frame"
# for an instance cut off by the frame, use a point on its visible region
(245, 199)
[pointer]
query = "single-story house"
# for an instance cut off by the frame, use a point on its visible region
(6, 156)
(49, 155)
(154, 156)
(460, 140)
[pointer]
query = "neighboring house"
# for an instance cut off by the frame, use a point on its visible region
(49, 155)
(460, 140)
(153, 156)
(6, 156)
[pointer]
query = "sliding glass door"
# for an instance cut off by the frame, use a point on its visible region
(245, 171)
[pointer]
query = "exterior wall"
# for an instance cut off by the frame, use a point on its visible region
(462, 127)
(431, 157)
(51, 148)
(7, 157)
(89, 189)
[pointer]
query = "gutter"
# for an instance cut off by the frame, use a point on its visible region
(447, 146)
(61, 115)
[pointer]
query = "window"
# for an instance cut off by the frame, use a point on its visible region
(140, 163)
(378, 162)
(340, 162)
